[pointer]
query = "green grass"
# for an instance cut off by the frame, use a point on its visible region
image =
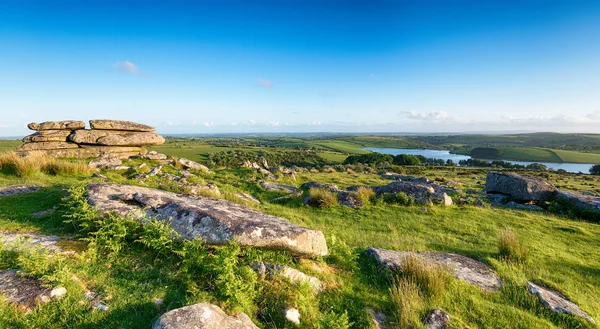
(577, 157)
(530, 154)
(9, 145)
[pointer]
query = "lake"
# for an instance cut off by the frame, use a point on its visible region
(445, 155)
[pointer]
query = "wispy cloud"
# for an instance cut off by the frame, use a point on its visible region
(436, 116)
(2, 125)
(127, 67)
(265, 83)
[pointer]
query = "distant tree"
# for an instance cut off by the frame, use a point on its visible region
(537, 167)
(449, 162)
(595, 170)
(406, 160)
(486, 153)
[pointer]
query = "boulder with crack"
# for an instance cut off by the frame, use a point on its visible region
(202, 316)
(521, 187)
(556, 302)
(215, 221)
(463, 268)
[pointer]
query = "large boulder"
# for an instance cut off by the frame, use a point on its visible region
(46, 146)
(58, 125)
(215, 221)
(202, 316)
(556, 302)
(584, 203)
(521, 187)
(116, 138)
(119, 125)
(464, 268)
(48, 136)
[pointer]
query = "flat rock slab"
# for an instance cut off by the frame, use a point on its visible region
(291, 274)
(48, 136)
(119, 125)
(464, 268)
(556, 302)
(57, 125)
(25, 292)
(13, 241)
(189, 164)
(202, 316)
(215, 221)
(580, 201)
(46, 146)
(18, 189)
(116, 138)
(521, 187)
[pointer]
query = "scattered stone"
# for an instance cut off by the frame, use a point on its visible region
(117, 168)
(423, 194)
(158, 301)
(24, 291)
(186, 174)
(291, 274)
(171, 177)
(119, 125)
(514, 205)
(17, 189)
(247, 197)
(189, 164)
(270, 186)
(378, 319)
(209, 189)
(464, 268)
(557, 302)
(46, 146)
(326, 186)
(289, 196)
(96, 301)
(105, 161)
(58, 292)
(215, 221)
(43, 213)
(292, 315)
(59, 125)
(437, 319)
(521, 187)
(153, 155)
(97, 175)
(405, 178)
(582, 202)
(202, 316)
(13, 241)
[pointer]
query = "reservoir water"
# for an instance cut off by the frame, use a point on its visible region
(445, 155)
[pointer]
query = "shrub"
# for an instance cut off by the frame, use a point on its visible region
(365, 195)
(406, 160)
(510, 247)
(406, 302)
(400, 198)
(324, 198)
(595, 170)
(431, 279)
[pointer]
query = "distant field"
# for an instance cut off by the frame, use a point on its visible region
(580, 157)
(530, 154)
(333, 157)
(9, 145)
(339, 145)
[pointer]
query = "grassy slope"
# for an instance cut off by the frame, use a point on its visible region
(578, 157)
(565, 254)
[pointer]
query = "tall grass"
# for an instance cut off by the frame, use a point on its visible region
(406, 302)
(511, 248)
(365, 195)
(39, 162)
(323, 198)
(431, 279)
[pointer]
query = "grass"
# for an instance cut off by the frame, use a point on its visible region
(510, 247)
(563, 254)
(12, 164)
(323, 198)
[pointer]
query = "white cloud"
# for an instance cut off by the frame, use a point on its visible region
(264, 83)
(273, 123)
(2, 125)
(436, 116)
(127, 67)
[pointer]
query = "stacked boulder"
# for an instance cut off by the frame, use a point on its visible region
(70, 139)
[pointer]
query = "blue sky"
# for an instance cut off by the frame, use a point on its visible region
(303, 66)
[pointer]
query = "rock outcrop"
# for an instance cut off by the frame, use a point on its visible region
(584, 203)
(215, 221)
(521, 187)
(70, 139)
(15, 241)
(26, 292)
(17, 189)
(556, 302)
(463, 268)
(420, 192)
(202, 316)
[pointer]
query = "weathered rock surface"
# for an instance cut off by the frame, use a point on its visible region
(420, 192)
(405, 178)
(345, 198)
(116, 138)
(46, 146)
(275, 187)
(119, 125)
(437, 319)
(48, 136)
(215, 221)
(514, 205)
(464, 268)
(521, 187)
(202, 316)
(189, 164)
(17, 189)
(291, 274)
(89, 151)
(23, 291)
(556, 302)
(378, 319)
(14, 241)
(579, 201)
(327, 186)
(247, 197)
(57, 125)
(153, 155)
(106, 161)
